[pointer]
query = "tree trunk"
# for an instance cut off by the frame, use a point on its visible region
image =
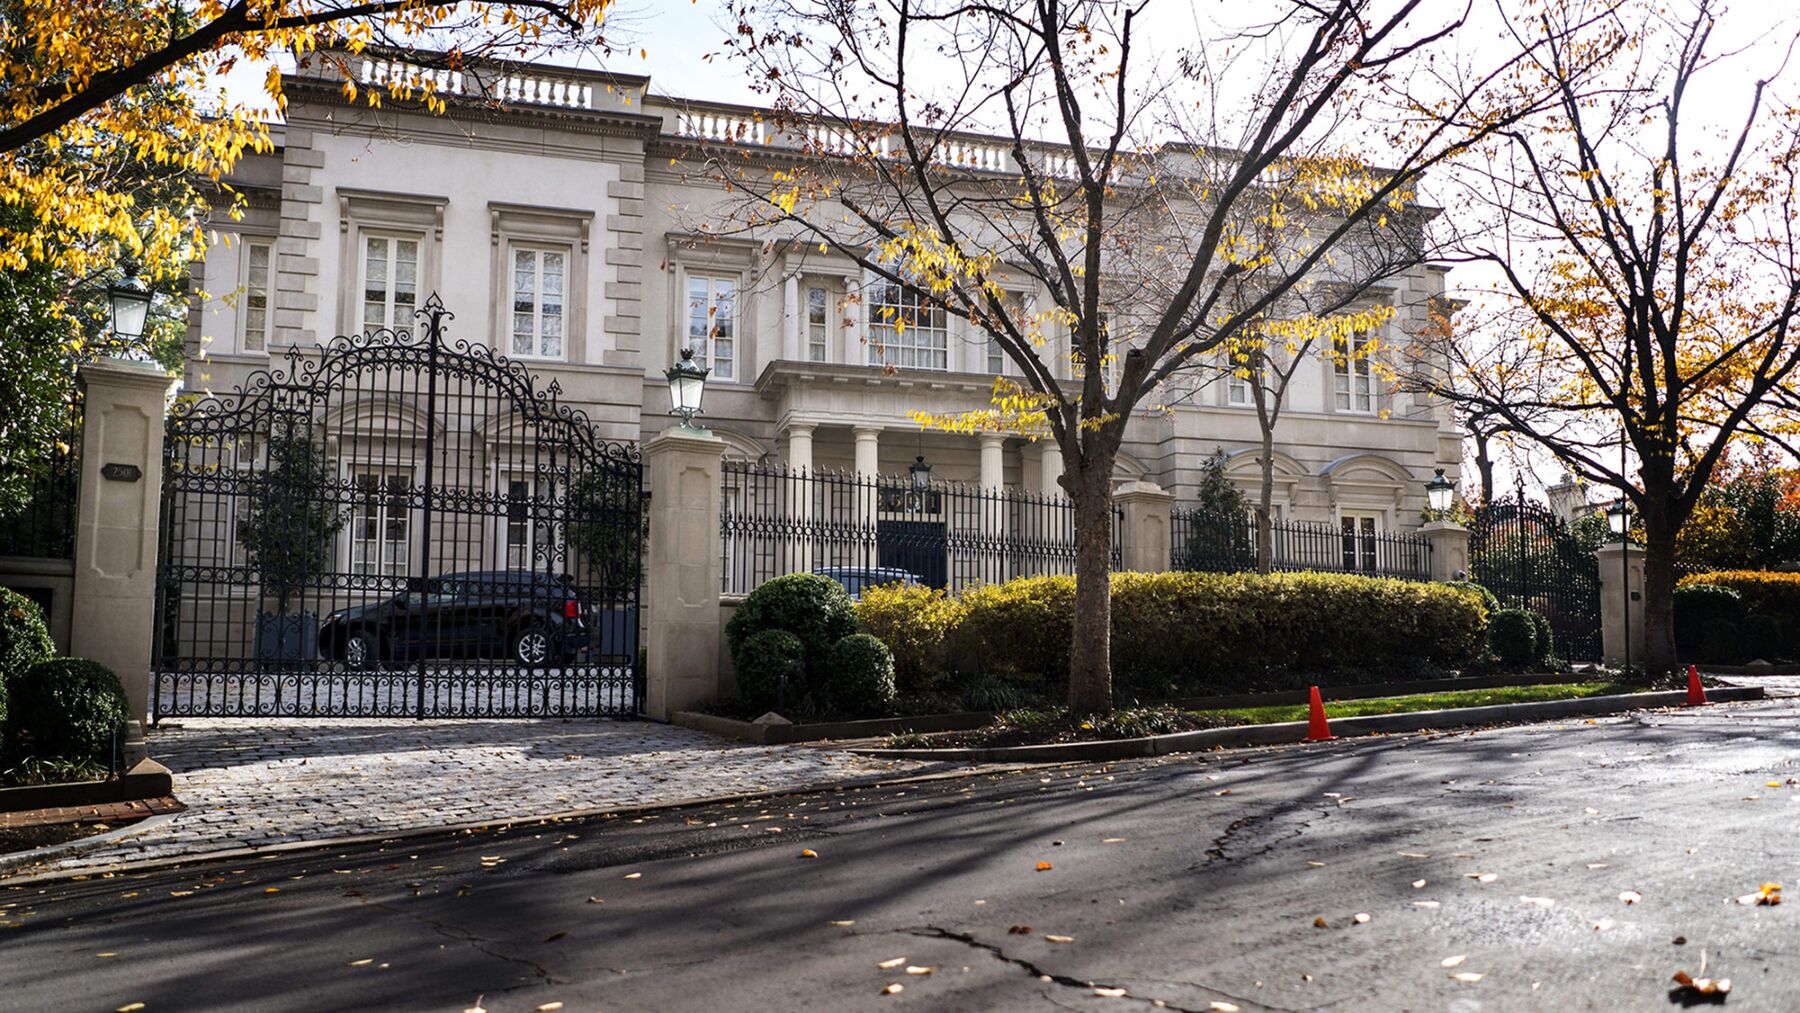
(1659, 588)
(1089, 484)
(1265, 506)
(1484, 465)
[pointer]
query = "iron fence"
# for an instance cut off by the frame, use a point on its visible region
(43, 527)
(1206, 540)
(869, 529)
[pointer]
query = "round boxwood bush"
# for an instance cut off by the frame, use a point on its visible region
(24, 641)
(1512, 636)
(771, 669)
(68, 708)
(859, 676)
(1545, 645)
(816, 609)
(1764, 638)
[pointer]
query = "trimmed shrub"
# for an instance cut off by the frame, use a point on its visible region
(1764, 638)
(1021, 629)
(816, 609)
(913, 621)
(992, 693)
(68, 708)
(1765, 592)
(764, 662)
(1512, 636)
(859, 676)
(24, 642)
(1720, 640)
(1486, 596)
(1699, 605)
(1544, 647)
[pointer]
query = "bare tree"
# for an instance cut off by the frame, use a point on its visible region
(1648, 262)
(893, 101)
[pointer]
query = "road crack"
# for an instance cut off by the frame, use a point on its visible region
(474, 941)
(1033, 969)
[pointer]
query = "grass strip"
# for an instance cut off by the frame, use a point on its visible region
(1425, 702)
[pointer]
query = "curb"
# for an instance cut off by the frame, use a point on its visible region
(1295, 731)
(8, 863)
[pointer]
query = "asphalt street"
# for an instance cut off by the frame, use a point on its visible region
(1555, 867)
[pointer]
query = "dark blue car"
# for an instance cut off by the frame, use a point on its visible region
(529, 618)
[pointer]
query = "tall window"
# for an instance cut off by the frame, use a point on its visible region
(818, 327)
(379, 521)
(390, 273)
(905, 329)
(538, 302)
(1237, 387)
(516, 535)
(712, 323)
(1359, 540)
(1355, 378)
(255, 304)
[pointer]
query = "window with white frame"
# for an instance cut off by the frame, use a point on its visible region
(905, 329)
(379, 522)
(1359, 531)
(518, 533)
(254, 305)
(538, 302)
(818, 324)
(1237, 382)
(390, 281)
(712, 322)
(1016, 309)
(1354, 377)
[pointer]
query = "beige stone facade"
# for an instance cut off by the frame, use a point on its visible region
(590, 183)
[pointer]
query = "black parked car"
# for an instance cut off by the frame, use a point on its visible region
(530, 618)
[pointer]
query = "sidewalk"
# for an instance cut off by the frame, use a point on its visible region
(256, 783)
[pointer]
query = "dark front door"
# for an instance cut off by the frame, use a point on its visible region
(918, 547)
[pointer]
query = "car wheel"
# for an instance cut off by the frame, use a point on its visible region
(361, 651)
(531, 646)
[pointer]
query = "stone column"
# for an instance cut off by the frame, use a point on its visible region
(1449, 543)
(682, 574)
(1144, 541)
(866, 549)
(1621, 594)
(1052, 463)
(800, 446)
(993, 460)
(798, 497)
(791, 320)
(112, 616)
(868, 451)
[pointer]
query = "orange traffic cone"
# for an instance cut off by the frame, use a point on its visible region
(1696, 692)
(1317, 728)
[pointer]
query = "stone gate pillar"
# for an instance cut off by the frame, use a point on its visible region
(683, 571)
(1144, 540)
(112, 615)
(1621, 595)
(1449, 543)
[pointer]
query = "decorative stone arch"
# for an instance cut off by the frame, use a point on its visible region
(1370, 481)
(1127, 468)
(1244, 468)
(369, 419)
(740, 447)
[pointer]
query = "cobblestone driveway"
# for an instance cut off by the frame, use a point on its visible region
(251, 783)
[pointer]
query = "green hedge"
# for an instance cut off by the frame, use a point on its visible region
(859, 675)
(913, 621)
(66, 709)
(1770, 597)
(24, 642)
(1201, 632)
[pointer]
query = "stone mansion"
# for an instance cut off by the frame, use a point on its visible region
(559, 214)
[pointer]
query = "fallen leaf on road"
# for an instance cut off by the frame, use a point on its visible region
(595, 900)
(916, 969)
(549, 1007)
(893, 988)
(1317, 865)
(1679, 940)
(1631, 896)
(1321, 923)
(1604, 925)
(1058, 939)
(634, 875)
(364, 962)
(1767, 895)
(1455, 961)
(1481, 877)
(1044, 867)
(1109, 993)
(1597, 865)
(1467, 977)
(808, 853)
(1113, 840)
(846, 923)
(1413, 854)
(1217, 1006)
(1426, 903)
(1223, 791)
(1361, 919)
(272, 889)
(131, 1007)
(477, 1008)
(103, 956)
(888, 965)
(1019, 930)
(1702, 986)
(1538, 901)
(1418, 884)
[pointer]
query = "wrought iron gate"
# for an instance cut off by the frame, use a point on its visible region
(1528, 558)
(392, 526)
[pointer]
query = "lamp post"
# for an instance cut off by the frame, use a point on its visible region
(1439, 492)
(128, 299)
(687, 383)
(1618, 518)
